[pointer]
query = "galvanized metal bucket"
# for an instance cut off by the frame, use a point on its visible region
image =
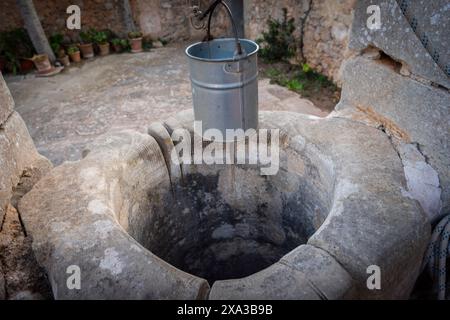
(224, 84)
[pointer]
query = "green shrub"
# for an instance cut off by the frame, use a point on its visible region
(135, 35)
(301, 79)
(72, 50)
(56, 41)
(88, 36)
(14, 45)
(273, 73)
(123, 43)
(100, 37)
(116, 42)
(295, 85)
(278, 43)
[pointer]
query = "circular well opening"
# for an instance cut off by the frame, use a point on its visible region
(228, 221)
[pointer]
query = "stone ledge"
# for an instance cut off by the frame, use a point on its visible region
(322, 270)
(79, 214)
(277, 282)
(305, 273)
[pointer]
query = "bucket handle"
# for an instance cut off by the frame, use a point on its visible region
(210, 11)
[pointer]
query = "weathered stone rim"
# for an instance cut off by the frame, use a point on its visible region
(337, 248)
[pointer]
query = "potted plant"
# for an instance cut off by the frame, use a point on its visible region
(135, 41)
(16, 50)
(42, 63)
(119, 45)
(12, 63)
(56, 44)
(64, 60)
(101, 39)
(74, 53)
(56, 41)
(87, 50)
(26, 65)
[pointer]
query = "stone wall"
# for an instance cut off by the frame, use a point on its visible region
(52, 13)
(324, 25)
(170, 19)
(157, 18)
(326, 35)
(258, 12)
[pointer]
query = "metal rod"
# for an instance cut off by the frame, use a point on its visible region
(236, 36)
(237, 9)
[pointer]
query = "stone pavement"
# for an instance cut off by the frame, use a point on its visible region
(127, 91)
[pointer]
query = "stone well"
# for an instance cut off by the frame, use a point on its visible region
(140, 226)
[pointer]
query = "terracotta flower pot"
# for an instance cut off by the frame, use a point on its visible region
(42, 63)
(2, 64)
(65, 60)
(75, 57)
(26, 65)
(61, 53)
(104, 48)
(87, 50)
(136, 45)
(117, 48)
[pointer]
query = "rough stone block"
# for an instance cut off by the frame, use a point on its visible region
(6, 101)
(420, 111)
(18, 157)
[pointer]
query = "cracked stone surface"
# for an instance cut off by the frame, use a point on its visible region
(128, 91)
(405, 108)
(421, 179)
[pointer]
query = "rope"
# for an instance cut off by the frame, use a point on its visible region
(424, 38)
(436, 256)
